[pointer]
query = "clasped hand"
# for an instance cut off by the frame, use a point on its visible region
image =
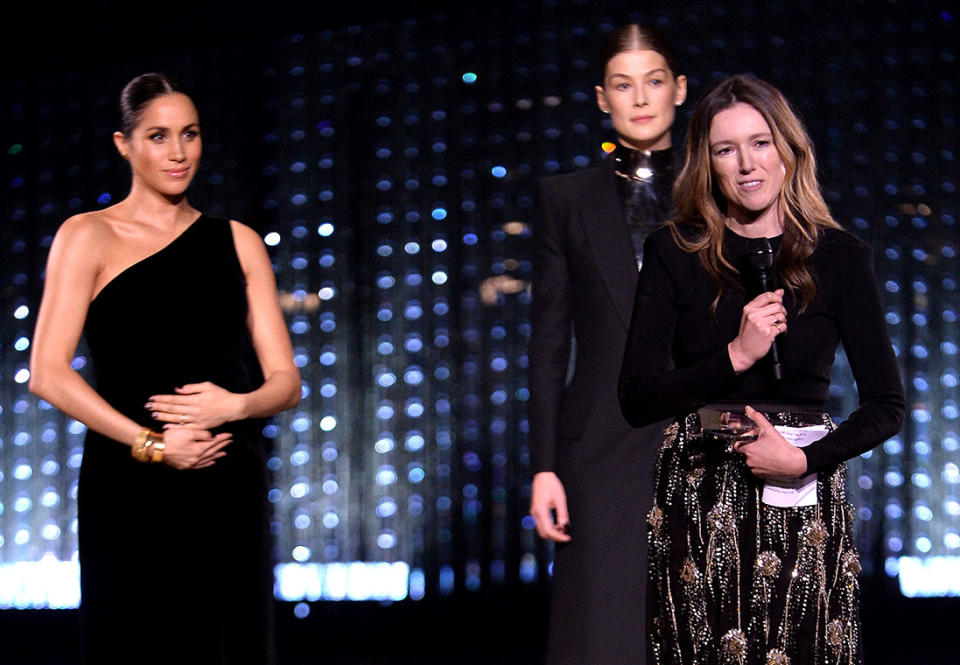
(189, 448)
(770, 455)
(762, 320)
(196, 405)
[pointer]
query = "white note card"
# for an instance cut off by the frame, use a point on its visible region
(800, 491)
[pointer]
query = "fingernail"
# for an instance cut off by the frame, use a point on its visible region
(154, 415)
(148, 405)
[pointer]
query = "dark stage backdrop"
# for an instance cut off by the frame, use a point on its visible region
(390, 168)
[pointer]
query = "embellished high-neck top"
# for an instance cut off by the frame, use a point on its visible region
(645, 183)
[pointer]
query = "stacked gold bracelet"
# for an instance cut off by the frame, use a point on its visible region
(148, 446)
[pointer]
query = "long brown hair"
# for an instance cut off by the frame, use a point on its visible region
(700, 204)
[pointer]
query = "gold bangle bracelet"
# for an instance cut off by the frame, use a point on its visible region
(147, 446)
(138, 450)
(158, 447)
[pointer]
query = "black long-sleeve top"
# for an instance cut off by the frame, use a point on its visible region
(677, 360)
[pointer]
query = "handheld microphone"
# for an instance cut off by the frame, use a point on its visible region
(760, 256)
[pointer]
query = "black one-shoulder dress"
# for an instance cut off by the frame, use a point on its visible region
(174, 565)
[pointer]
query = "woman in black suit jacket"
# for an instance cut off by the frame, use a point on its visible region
(592, 483)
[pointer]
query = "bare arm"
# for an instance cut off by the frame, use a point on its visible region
(72, 269)
(271, 341)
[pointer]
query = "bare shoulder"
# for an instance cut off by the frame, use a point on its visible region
(244, 234)
(87, 226)
(248, 242)
(86, 237)
(249, 245)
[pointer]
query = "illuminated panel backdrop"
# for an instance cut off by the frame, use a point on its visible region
(390, 169)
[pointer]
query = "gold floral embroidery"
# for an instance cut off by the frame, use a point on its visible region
(733, 646)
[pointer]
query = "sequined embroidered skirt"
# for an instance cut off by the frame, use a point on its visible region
(733, 580)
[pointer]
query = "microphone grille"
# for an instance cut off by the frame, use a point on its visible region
(760, 253)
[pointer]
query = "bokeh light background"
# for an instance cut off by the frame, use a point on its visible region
(390, 168)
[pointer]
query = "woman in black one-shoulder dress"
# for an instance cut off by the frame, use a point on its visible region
(190, 354)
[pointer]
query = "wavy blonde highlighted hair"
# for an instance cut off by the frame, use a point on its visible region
(701, 206)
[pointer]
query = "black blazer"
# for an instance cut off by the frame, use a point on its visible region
(584, 281)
